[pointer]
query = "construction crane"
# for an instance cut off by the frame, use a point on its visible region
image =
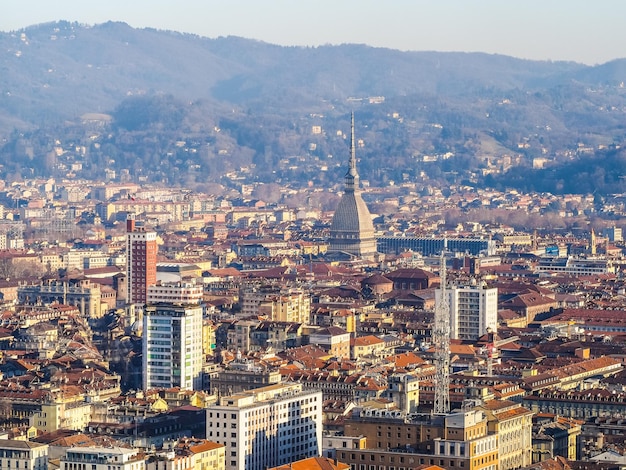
(441, 340)
(491, 348)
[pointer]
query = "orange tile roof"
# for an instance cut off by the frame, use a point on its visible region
(367, 340)
(406, 359)
(314, 463)
(514, 413)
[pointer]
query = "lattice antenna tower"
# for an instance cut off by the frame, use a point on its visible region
(441, 340)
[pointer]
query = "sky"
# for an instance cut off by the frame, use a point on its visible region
(585, 31)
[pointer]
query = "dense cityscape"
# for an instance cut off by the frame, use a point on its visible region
(222, 253)
(162, 328)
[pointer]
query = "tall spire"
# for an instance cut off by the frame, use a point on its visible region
(352, 145)
(352, 230)
(352, 176)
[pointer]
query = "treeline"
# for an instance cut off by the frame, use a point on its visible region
(602, 173)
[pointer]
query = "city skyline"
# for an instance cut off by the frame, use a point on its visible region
(577, 31)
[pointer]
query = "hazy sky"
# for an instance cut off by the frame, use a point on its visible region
(585, 31)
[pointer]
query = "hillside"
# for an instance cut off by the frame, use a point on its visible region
(239, 103)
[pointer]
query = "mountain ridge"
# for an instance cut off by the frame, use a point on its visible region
(249, 104)
(141, 60)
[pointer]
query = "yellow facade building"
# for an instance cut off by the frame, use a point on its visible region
(513, 425)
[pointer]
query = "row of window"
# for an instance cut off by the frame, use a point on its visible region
(401, 460)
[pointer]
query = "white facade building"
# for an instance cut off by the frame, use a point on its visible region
(24, 455)
(172, 346)
(102, 458)
(575, 266)
(268, 426)
(473, 309)
(177, 292)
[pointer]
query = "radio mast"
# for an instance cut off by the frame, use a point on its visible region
(441, 340)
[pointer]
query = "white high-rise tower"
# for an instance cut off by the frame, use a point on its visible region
(172, 346)
(473, 311)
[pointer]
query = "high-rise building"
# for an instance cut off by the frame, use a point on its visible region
(352, 229)
(473, 310)
(141, 260)
(268, 426)
(172, 346)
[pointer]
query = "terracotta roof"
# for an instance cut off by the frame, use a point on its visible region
(197, 446)
(409, 273)
(530, 299)
(513, 413)
(314, 463)
(331, 331)
(589, 366)
(225, 272)
(376, 280)
(367, 340)
(406, 359)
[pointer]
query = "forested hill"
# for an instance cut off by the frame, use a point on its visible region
(256, 103)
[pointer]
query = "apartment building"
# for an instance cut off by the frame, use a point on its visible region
(513, 425)
(268, 426)
(172, 346)
(473, 310)
(23, 455)
(176, 292)
(190, 453)
(141, 259)
(102, 458)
